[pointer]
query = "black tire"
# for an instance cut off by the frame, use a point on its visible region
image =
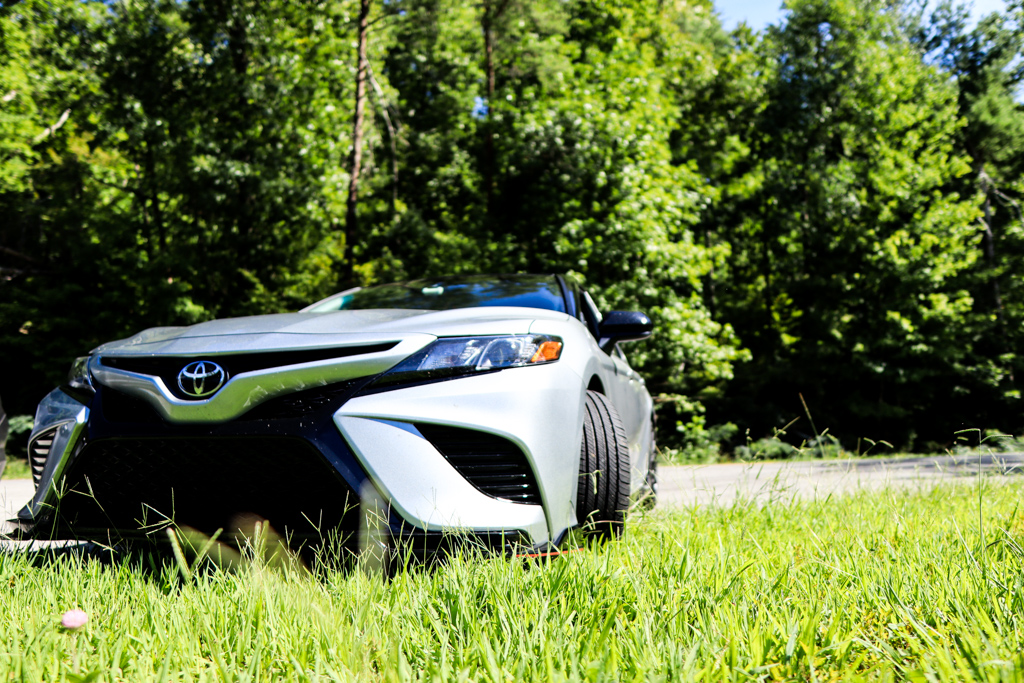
(602, 494)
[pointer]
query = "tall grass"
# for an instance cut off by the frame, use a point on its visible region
(17, 468)
(875, 586)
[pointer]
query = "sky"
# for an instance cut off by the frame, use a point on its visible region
(760, 13)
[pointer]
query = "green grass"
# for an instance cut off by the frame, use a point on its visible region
(884, 586)
(17, 468)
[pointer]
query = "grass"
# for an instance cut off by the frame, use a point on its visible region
(17, 468)
(879, 587)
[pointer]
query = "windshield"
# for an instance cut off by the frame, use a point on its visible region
(524, 291)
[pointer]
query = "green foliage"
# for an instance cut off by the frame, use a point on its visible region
(20, 424)
(17, 468)
(826, 446)
(698, 443)
(846, 244)
(193, 175)
(770, 448)
(830, 208)
(574, 159)
(19, 427)
(209, 161)
(986, 63)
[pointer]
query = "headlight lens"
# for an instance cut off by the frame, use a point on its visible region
(458, 356)
(78, 376)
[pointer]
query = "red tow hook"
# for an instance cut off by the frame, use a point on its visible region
(552, 553)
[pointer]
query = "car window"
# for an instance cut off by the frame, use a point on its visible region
(525, 291)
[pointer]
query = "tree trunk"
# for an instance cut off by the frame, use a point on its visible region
(486, 22)
(766, 272)
(392, 137)
(493, 9)
(362, 67)
(238, 39)
(989, 248)
(709, 279)
(154, 197)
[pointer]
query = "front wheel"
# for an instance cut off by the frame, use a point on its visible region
(602, 494)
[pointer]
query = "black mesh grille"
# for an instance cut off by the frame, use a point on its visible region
(300, 403)
(206, 483)
(122, 408)
(38, 451)
(489, 462)
(168, 367)
(422, 545)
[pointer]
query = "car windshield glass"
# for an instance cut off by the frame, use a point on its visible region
(525, 291)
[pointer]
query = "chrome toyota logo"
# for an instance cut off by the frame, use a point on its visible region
(201, 378)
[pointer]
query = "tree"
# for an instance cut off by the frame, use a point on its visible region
(566, 167)
(356, 165)
(218, 159)
(197, 174)
(985, 62)
(846, 241)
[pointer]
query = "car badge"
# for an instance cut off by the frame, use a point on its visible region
(201, 378)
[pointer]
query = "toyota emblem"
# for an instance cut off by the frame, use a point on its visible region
(201, 378)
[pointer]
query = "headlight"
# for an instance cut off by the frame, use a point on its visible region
(78, 376)
(460, 356)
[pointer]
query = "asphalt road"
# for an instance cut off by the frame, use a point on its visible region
(767, 481)
(683, 486)
(14, 493)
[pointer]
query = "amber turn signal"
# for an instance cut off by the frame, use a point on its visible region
(547, 351)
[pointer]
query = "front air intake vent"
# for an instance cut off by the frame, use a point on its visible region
(420, 545)
(39, 451)
(489, 462)
(207, 483)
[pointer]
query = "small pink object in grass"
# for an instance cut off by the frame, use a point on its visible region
(74, 619)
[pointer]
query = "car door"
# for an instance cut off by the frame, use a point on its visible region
(631, 402)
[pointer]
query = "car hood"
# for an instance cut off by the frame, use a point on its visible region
(311, 330)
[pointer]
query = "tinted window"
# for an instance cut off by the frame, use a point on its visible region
(524, 291)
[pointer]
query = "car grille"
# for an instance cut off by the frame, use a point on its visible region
(122, 408)
(301, 403)
(39, 451)
(119, 407)
(489, 462)
(168, 367)
(206, 483)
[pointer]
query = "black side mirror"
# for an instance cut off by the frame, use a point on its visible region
(620, 326)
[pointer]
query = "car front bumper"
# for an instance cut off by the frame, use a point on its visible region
(116, 468)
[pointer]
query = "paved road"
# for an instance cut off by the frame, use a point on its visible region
(14, 493)
(722, 484)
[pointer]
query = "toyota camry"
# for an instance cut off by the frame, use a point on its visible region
(500, 406)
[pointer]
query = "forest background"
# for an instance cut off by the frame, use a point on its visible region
(823, 218)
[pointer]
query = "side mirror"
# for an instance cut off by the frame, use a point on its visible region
(620, 326)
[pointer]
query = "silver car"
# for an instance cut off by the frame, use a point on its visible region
(499, 406)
